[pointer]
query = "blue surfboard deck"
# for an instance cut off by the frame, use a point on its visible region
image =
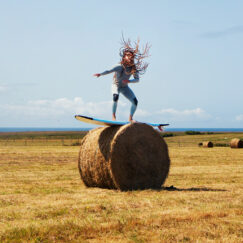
(101, 122)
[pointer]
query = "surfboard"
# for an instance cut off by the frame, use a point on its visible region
(101, 122)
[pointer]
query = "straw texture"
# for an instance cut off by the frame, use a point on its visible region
(207, 144)
(236, 143)
(128, 157)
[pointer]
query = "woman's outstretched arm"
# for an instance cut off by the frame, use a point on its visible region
(114, 69)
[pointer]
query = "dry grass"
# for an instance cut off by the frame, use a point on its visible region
(42, 198)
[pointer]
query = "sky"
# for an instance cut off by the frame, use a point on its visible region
(49, 51)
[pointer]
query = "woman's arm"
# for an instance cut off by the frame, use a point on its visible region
(136, 78)
(114, 69)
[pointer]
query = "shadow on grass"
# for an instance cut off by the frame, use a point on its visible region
(196, 189)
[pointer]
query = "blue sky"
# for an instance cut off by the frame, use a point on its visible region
(49, 51)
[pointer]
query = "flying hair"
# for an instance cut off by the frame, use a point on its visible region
(138, 54)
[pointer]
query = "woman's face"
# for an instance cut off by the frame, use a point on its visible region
(128, 57)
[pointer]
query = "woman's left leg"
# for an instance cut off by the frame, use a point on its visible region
(128, 93)
(115, 93)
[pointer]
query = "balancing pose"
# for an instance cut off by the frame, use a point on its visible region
(131, 64)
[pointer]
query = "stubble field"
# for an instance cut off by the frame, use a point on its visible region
(42, 198)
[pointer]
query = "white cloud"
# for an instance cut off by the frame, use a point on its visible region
(62, 111)
(142, 113)
(184, 115)
(64, 107)
(239, 117)
(59, 107)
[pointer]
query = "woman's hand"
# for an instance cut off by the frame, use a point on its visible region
(97, 75)
(125, 81)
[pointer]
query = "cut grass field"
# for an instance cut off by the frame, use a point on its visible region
(42, 198)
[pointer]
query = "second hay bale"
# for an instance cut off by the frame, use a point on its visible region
(236, 143)
(207, 144)
(134, 156)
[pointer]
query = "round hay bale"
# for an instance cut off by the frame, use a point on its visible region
(236, 143)
(129, 157)
(207, 144)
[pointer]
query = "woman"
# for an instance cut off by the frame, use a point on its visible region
(131, 64)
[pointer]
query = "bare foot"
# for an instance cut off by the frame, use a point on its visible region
(131, 120)
(113, 118)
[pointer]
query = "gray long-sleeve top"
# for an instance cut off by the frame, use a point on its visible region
(122, 73)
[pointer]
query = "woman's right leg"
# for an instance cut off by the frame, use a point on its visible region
(115, 93)
(114, 106)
